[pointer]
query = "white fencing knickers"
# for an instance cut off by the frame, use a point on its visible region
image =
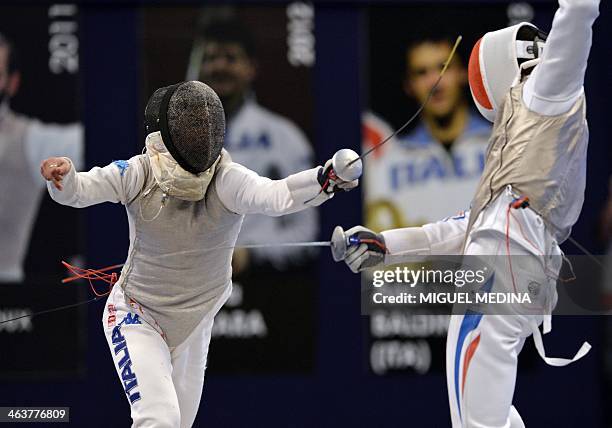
(482, 349)
(162, 385)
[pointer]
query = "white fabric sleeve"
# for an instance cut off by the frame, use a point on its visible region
(120, 181)
(304, 225)
(245, 192)
(301, 226)
(44, 141)
(556, 82)
(444, 237)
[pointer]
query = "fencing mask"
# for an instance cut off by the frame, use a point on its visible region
(191, 121)
(495, 63)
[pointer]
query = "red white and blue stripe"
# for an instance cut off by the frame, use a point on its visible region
(470, 323)
(468, 340)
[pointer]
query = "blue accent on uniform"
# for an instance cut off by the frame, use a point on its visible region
(470, 321)
(128, 376)
(459, 216)
(122, 165)
(131, 318)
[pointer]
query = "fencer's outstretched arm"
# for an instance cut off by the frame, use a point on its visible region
(117, 182)
(444, 237)
(556, 82)
(245, 192)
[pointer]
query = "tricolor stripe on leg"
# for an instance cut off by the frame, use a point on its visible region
(468, 324)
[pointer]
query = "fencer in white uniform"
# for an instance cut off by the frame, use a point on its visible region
(530, 86)
(185, 201)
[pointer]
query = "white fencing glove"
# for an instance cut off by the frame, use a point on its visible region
(330, 181)
(364, 249)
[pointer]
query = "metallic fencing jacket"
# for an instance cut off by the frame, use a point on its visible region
(542, 157)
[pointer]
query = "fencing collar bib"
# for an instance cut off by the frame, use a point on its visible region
(171, 178)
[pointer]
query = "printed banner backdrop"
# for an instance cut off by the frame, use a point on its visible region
(259, 60)
(430, 170)
(39, 119)
(111, 50)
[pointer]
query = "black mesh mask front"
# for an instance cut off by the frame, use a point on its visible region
(191, 120)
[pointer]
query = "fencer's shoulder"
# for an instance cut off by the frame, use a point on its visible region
(138, 162)
(229, 179)
(230, 169)
(226, 158)
(525, 98)
(133, 174)
(226, 167)
(137, 168)
(225, 162)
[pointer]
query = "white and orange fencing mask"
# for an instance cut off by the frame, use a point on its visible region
(496, 62)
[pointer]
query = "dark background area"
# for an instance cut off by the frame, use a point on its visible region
(340, 392)
(168, 37)
(51, 98)
(58, 230)
(392, 28)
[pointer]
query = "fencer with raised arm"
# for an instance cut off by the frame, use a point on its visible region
(530, 85)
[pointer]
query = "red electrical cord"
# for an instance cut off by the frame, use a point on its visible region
(93, 274)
